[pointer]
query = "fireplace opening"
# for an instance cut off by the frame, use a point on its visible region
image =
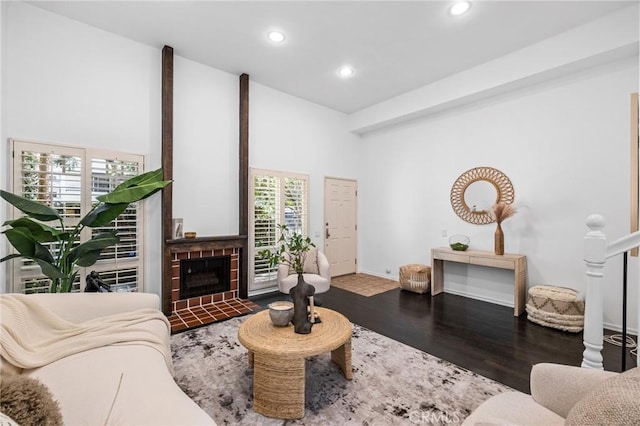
(203, 276)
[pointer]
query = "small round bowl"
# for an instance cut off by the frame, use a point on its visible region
(281, 313)
(459, 242)
(189, 234)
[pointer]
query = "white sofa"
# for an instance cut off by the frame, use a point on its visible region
(124, 384)
(562, 394)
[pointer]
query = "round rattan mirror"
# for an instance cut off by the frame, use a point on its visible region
(472, 194)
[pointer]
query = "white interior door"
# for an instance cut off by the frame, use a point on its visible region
(340, 226)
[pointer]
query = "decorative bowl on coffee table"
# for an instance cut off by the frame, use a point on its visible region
(281, 313)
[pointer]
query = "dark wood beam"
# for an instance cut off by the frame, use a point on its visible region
(167, 167)
(243, 183)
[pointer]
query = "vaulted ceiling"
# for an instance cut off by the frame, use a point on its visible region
(394, 46)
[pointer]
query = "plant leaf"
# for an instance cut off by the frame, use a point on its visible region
(49, 270)
(87, 253)
(134, 193)
(31, 208)
(40, 232)
(103, 215)
(152, 176)
(136, 189)
(10, 256)
(88, 258)
(22, 240)
(41, 252)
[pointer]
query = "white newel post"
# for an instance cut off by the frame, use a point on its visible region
(595, 245)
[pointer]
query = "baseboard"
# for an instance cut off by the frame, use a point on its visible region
(456, 292)
(376, 274)
(480, 297)
(618, 328)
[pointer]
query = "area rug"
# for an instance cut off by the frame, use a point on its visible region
(393, 384)
(363, 284)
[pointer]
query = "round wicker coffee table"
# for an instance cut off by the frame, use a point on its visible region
(277, 355)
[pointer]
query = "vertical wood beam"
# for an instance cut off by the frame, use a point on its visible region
(243, 183)
(167, 167)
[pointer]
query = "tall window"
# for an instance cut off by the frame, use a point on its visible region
(277, 198)
(70, 180)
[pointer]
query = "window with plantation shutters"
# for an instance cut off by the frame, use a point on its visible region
(118, 265)
(69, 180)
(276, 198)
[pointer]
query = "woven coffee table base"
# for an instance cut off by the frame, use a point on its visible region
(278, 386)
(342, 357)
(277, 356)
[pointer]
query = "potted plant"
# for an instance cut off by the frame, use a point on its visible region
(56, 249)
(291, 250)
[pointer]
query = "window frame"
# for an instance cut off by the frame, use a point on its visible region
(303, 217)
(113, 268)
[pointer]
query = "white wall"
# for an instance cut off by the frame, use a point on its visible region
(69, 83)
(205, 148)
(285, 133)
(565, 146)
(290, 134)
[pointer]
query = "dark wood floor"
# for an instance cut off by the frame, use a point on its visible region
(479, 336)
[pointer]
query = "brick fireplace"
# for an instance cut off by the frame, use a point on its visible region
(194, 311)
(212, 264)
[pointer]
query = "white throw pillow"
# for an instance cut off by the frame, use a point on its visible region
(310, 263)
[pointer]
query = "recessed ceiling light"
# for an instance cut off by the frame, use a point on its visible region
(459, 8)
(276, 36)
(346, 71)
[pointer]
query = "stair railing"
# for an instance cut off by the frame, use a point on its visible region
(596, 253)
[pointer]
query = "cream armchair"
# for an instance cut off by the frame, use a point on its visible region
(320, 280)
(562, 394)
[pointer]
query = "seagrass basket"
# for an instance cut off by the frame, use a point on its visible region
(556, 307)
(415, 278)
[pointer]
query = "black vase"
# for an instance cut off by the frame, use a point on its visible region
(300, 294)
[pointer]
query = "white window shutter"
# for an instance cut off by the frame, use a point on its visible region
(276, 198)
(69, 179)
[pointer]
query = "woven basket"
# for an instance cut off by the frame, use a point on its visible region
(556, 307)
(416, 278)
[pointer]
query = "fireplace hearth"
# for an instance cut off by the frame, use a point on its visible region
(207, 275)
(205, 281)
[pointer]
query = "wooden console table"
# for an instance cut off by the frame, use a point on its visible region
(516, 262)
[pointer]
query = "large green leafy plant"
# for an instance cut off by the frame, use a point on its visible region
(57, 250)
(291, 249)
